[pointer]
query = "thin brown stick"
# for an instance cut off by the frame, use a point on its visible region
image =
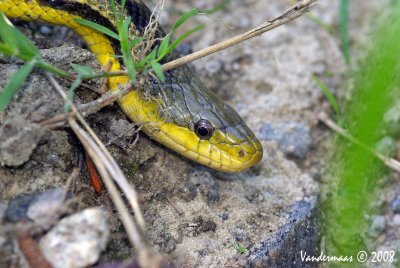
(291, 14)
(31, 250)
(110, 171)
(389, 162)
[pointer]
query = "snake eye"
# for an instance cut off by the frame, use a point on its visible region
(204, 130)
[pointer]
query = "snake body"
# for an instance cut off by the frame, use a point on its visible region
(181, 113)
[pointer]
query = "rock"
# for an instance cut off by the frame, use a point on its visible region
(282, 250)
(294, 139)
(18, 139)
(396, 219)
(18, 207)
(2, 211)
(47, 207)
(395, 205)
(76, 240)
(377, 226)
(41, 207)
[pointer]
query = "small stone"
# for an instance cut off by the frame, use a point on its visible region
(2, 211)
(377, 226)
(18, 139)
(395, 205)
(396, 219)
(46, 30)
(18, 207)
(47, 207)
(213, 67)
(224, 215)
(294, 139)
(77, 240)
(185, 49)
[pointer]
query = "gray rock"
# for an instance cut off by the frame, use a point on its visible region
(77, 240)
(2, 211)
(395, 205)
(283, 250)
(18, 207)
(18, 139)
(294, 139)
(377, 226)
(396, 220)
(47, 207)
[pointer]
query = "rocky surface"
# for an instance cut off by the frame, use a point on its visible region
(262, 217)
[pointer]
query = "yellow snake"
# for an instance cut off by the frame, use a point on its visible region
(191, 120)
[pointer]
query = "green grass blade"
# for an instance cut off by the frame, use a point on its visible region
(135, 42)
(83, 70)
(184, 18)
(216, 8)
(6, 50)
(114, 10)
(125, 49)
(122, 11)
(97, 27)
(14, 84)
(327, 27)
(177, 41)
(70, 94)
(7, 35)
(27, 50)
(164, 45)
(328, 94)
(157, 68)
(343, 29)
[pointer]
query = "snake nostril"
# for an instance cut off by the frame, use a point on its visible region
(241, 153)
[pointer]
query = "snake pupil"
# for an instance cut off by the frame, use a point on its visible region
(204, 129)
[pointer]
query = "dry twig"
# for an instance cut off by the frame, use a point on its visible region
(290, 14)
(31, 250)
(109, 171)
(389, 162)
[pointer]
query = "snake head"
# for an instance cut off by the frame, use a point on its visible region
(187, 117)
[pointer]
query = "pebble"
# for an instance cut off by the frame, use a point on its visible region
(395, 205)
(2, 211)
(377, 226)
(224, 215)
(213, 67)
(46, 207)
(396, 219)
(293, 138)
(18, 207)
(18, 139)
(77, 240)
(46, 30)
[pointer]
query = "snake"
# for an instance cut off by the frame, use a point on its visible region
(181, 112)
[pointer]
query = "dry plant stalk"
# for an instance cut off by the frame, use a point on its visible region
(389, 162)
(110, 171)
(150, 32)
(290, 14)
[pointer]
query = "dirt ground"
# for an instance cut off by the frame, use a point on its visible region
(196, 216)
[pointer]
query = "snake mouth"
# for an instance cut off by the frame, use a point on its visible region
(220, 156)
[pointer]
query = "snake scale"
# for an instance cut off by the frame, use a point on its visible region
(191, 119)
